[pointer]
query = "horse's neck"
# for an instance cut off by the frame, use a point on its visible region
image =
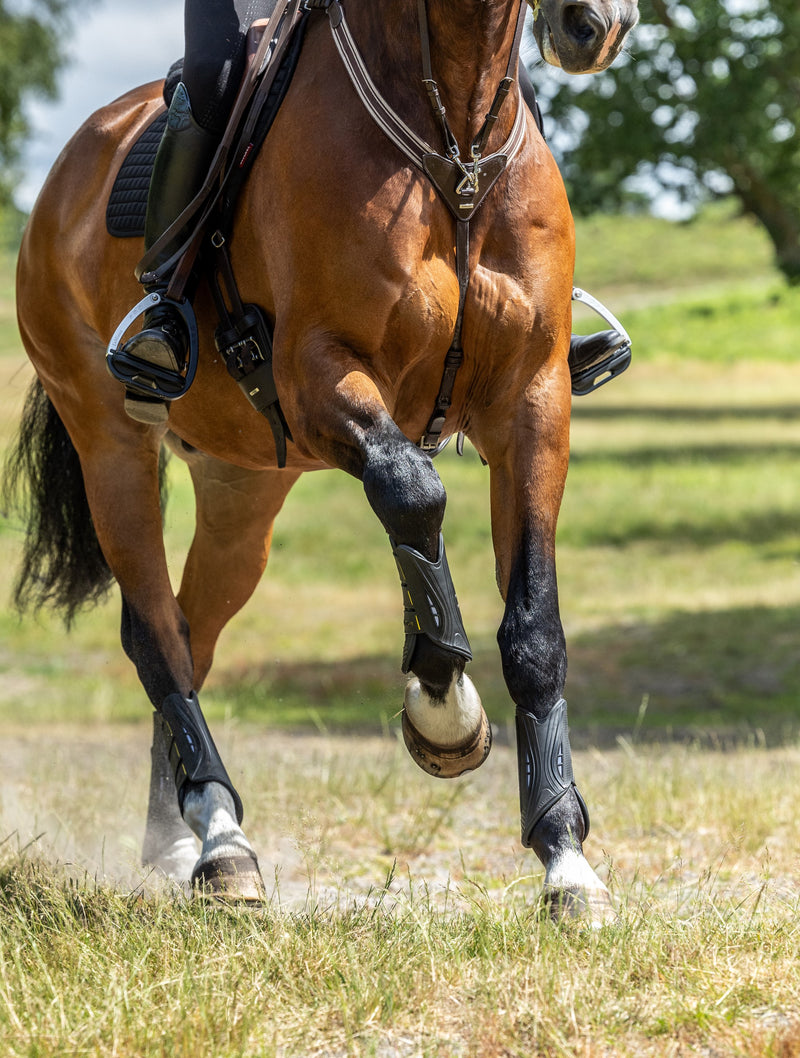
(470, 44)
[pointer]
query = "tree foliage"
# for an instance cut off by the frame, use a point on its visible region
(706, 100)
(31, 55)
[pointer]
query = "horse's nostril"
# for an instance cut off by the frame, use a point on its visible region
(582, 24)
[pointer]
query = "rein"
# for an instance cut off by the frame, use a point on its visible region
(463, 185)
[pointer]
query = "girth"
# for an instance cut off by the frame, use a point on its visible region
(462, 185)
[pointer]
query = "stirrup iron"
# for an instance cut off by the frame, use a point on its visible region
(587, 379)
(141, 376)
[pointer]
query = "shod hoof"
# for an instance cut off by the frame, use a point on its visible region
(448, 762)
(230, 880)
(584, 907)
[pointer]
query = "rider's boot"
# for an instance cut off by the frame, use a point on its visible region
(593, 356)
(181, 164)
(595, 359)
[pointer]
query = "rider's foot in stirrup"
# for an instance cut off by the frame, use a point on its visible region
(595, 359)
(162, 343)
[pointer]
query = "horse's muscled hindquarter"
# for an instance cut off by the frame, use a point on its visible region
(351, 250)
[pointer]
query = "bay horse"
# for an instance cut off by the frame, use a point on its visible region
(354, 254)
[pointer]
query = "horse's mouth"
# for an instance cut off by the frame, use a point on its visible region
(544, 38)
(576, 49)
(549, 53)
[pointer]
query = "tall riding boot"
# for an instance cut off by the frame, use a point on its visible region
(181, 164)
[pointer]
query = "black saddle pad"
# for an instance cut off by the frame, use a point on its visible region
(128, 201)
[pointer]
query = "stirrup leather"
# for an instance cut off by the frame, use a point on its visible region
(545, 767)
(145, 378)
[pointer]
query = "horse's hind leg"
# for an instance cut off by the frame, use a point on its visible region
(120, 467)
(444, 724)
(236, 510)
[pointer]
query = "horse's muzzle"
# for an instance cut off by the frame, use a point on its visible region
(583, 36)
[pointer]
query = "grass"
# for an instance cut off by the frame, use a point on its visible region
(403, 919)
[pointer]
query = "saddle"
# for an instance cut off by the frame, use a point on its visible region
(244, 333)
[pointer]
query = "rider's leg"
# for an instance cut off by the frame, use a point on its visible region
(182, 161)
(593, 358)
(214, 63)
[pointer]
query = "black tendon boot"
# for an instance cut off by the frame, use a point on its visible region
(182, 161)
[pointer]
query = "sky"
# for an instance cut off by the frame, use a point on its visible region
(116, 46)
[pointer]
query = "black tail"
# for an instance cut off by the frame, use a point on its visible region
(62, 564)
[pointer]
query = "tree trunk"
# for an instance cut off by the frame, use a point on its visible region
(779, 215)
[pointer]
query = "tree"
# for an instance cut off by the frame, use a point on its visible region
(707, 101)
(31, 55)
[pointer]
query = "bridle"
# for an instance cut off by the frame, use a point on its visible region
(462, 184)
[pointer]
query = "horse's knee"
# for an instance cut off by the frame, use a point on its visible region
(405, 491)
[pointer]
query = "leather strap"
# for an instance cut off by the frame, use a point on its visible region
(429, 442)
(391, 124)
(462, 185)
(276, 35)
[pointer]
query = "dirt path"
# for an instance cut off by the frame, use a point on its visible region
(332, 817)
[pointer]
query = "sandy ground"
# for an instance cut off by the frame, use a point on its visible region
(331, 817)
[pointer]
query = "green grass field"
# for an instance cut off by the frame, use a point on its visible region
(404, 919)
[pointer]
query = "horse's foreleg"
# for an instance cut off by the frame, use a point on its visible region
(444, 724)
(527, 480)
(122, 489)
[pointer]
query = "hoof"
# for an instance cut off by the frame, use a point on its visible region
(584, 907)
(175, 862)
(230, 880)
(448, 762)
